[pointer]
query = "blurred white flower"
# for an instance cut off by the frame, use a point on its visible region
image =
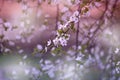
(26, 71)
(28, 21)
(118, 70)
(47, 16)
(46, 49)
(47, 67)
(11, 43)
(47, 62)
(51, 74)
(22, 24)
(8, 25)
(74, 17)
(24, 7)
(78, 58)
(25, 56)
(49, 43)
(117, 50)
(64, 9)
(35, 71)
(14, 72)
(41, 61)
(21, 63)
(7, 50)
(98, 4)
(76, 13)
(118, 63)
(56, 41)
(63, 27)
(39, 47)
(63, 41)
(20, 51)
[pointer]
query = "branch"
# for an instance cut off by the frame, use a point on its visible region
(77, 32)
(57, 16)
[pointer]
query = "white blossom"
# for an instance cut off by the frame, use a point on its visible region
(25, 56)
(63, 27)
(49, 43)
(64, 9)
(28, 21)
(21, 63)
(39, 47)
(22, 24)
(14, 72)
(8, 25)
(51, 74)
(35, 71)
(46, 49)
(117, 50)
(47, 62)
(76, 13)
(26, 71)
(56, 41)
(7, 50)
(67, 36)
(118, 63)
(73, 18)
(20, 51)
(63, 41)
(11, 43)
(24, 7)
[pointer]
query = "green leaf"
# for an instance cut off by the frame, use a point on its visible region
(60, 31)
(57, 50)
(83, 48)
(86, 10)
(72, 27)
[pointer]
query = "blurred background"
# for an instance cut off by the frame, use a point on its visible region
(27, 27)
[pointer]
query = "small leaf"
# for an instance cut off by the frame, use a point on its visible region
(57, 50)
(83, 48)
(60, 31)
(15, 27)
(72, 27)
(86, 10)
(6, 28)
(98, 0)
(1, 36)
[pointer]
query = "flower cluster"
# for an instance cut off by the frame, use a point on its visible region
(75, 17)
(61, 40)
(62, 36)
